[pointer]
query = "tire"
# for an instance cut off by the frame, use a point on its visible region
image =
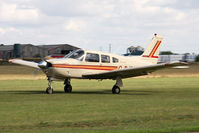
(116, 89)
(49, 90)
(68, 88)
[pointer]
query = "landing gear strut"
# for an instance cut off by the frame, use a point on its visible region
(67, 87)
(49, 90)
(116, 87)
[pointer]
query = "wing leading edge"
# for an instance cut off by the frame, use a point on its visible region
(25, 63)
(132, 72)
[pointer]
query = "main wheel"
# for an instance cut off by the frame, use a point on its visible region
(116, 89)
(68, 88)
(49, 90)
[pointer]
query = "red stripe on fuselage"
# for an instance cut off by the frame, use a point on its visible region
(91, 67)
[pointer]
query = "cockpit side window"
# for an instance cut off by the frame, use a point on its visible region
(105, 59)
(91, 57)
(115, 60)
(76, 54)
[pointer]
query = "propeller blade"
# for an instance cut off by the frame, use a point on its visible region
(36, 72)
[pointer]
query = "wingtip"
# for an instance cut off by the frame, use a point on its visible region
(10, 61)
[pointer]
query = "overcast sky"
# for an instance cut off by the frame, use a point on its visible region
(94, 24)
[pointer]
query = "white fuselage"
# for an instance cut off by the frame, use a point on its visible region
(86, 64)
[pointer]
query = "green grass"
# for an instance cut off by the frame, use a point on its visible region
(144, 105)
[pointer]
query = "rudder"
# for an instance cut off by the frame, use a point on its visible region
(152, 52)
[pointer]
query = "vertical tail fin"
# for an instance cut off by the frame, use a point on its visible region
(152, 52)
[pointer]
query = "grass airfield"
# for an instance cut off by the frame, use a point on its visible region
(160, 104)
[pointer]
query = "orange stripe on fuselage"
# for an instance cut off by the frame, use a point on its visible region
(154, 49)
(92, 67)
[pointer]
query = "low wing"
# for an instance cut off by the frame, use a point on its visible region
(132, 72)
(25, 63)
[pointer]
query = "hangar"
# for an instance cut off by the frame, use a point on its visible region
(34, 51)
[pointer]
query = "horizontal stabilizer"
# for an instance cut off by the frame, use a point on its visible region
(181, 67)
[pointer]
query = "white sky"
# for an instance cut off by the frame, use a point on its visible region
(94, 24)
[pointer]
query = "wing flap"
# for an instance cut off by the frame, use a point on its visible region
(132, 72)
(25, 63)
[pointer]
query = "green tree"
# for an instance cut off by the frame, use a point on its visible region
(166, 53)
(197, 58)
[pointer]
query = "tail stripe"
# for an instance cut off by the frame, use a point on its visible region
(155, 48)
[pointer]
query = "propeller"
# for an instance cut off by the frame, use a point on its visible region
(36, 72)
(42, 65)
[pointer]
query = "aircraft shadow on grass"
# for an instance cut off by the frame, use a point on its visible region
(106, 92)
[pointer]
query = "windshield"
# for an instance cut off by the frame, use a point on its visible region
(75, 54)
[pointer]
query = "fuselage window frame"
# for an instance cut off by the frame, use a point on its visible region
(115, 60)
(93, 57)
(105, 59)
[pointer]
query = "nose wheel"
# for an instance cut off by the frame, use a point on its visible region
(49, 90)
(67, 87)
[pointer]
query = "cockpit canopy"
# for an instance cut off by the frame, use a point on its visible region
(77, 54)
(91, 56)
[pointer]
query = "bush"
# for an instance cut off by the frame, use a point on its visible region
(166, 53)
(197, 58)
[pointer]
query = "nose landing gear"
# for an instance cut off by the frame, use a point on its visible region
(49, 90)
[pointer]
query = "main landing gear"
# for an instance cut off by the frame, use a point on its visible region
(116, 87)
(67, 87)
(49, 90)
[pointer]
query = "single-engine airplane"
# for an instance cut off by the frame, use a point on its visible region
(85, 64)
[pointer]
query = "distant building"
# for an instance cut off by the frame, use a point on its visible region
(134, 51)
(33, 51)
(6, 51)
(180, 57)
(59, 48)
